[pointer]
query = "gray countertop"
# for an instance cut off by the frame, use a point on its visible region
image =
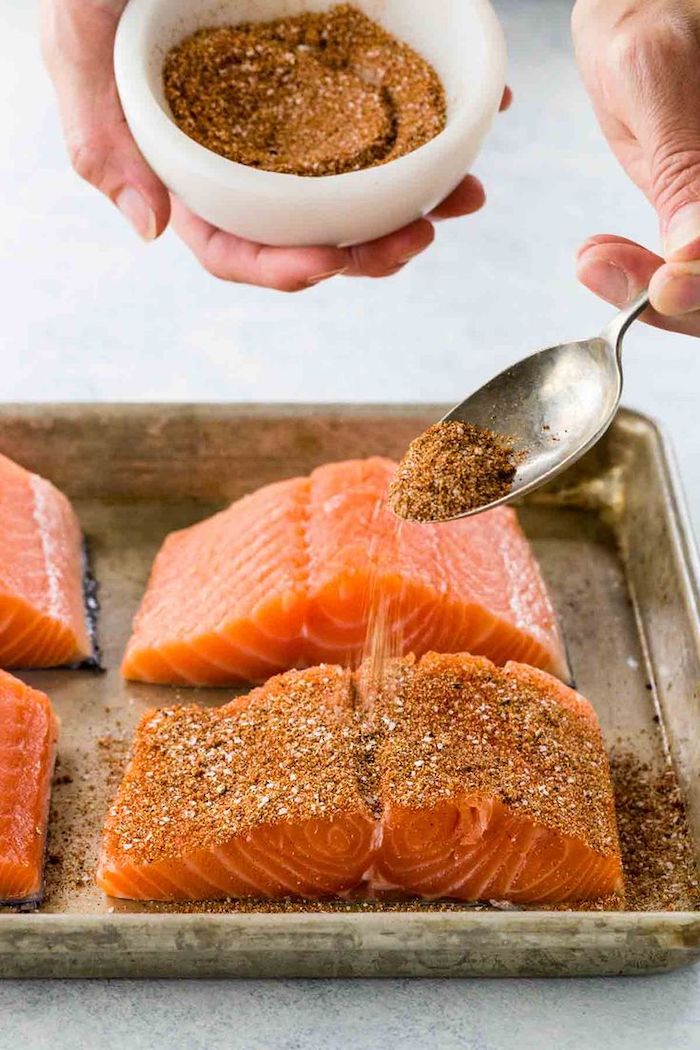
(90, 314)
(639, 1013)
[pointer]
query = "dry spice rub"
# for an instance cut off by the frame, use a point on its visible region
(202, 775)
(657, 851)
(313, 94)
(451, 725)
(450, 469)
(303, 789)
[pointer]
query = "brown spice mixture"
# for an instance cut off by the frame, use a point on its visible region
(657, 852)
(306, 746)
(77, 807)
(415, 905)
(452, 468)
(314, 94)
(658, 862)
(450, 727)
(200, 776)
(296, 906)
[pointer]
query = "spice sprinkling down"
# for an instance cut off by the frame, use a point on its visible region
(451, 469)
(313, 94)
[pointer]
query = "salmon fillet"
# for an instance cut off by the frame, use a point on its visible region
(43, 621)
(282, 580)
(28, 736)
(261, 797)
(495, 786)
(450, 777)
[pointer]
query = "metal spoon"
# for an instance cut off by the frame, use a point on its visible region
(555, 405)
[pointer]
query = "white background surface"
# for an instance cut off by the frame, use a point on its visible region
(89, 313)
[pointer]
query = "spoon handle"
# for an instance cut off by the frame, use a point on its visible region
(619, 325)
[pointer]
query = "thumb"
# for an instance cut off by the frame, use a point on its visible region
(77, 42)
(666, 70)
(675, 286)
(677, 198)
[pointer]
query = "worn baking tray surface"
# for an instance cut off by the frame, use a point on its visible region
(614, 545)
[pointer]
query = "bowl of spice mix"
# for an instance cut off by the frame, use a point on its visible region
(294, 122)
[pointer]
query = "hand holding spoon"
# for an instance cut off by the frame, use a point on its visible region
(552, 407)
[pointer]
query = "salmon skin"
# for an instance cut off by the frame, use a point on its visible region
(286, 578)
(28, 737)
(43, 615)
(447, 778)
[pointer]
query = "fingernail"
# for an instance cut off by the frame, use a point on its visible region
(326, 276)
(136, 209)
(606, 280)
(683, 233)
(679, 292)
(586, 247)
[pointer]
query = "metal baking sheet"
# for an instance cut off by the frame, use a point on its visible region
(615, 545)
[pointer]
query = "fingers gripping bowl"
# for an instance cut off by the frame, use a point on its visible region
(465, 46)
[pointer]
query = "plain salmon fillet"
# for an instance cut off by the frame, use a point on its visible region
(43, 620)
(452, 778)
(28, 736)
(282, 579)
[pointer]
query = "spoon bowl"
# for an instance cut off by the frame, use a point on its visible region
(553, 406)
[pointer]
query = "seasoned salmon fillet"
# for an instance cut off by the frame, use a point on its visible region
(28, 736)
(261, 797)
(446, 777)
(495, 786)
(282, 579)
(43, 620)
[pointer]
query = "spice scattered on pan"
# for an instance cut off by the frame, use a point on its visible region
(295, 906)
(83, 783)
(312, 94)
(452, 468)
(656, 844)
(657, 852)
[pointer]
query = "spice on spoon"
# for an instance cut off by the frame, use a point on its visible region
(311, 94)
(450, 469)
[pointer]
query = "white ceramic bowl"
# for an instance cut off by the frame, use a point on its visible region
(461, 38)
